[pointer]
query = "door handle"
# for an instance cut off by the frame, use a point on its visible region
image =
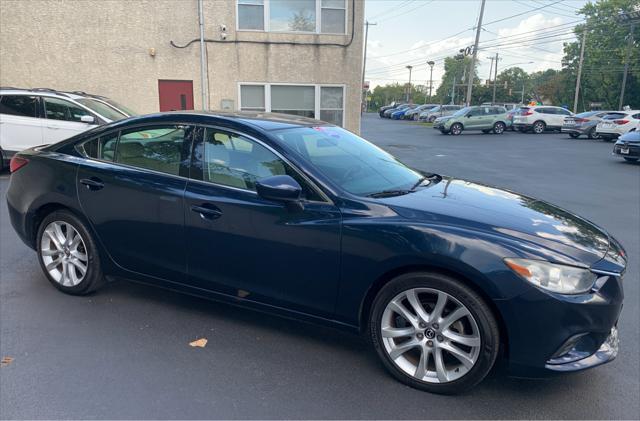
(207, 211)
(53, 127)
(92, 183)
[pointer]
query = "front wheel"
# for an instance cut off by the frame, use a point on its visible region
(434, 333)
(499, 127)
(593, 134)
(539, 127)
(456, 129)
(68, 255)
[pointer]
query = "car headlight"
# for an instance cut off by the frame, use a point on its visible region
(553, 277)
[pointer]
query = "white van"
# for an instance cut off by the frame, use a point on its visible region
(32, 117)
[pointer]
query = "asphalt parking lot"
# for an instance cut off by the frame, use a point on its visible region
(123, 352)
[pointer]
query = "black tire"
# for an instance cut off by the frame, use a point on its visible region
(592, 133)
(630, 159)
(93, 278)
(432, 119)
(1, 161)
(444, 132)
(574, 135)
(539, 127)
(456, 129)
(486, 322)
(499, 127)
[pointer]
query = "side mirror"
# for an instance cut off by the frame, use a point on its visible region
(281, 188)
(89, 119)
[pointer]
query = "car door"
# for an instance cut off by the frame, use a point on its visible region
(243, 245)
(20, 122)
(558, 116)
(63, 119)
(474, 118)
(132, 191)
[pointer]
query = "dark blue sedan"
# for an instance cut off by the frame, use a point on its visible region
(307, 220)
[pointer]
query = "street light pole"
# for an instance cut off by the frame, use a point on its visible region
(475, 54)
(626, 66)
(409, 90)
(575, 97)
(364, 64)
(430, 63)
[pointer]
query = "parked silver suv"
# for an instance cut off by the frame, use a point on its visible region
(439, 111)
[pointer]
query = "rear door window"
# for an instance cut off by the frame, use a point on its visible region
(157, 148)
(102, 148)
(59, 109)
(19, 105)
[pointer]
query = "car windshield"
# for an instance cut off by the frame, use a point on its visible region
(461, 112)
(102, 109)
(349, 161)
(614, 116)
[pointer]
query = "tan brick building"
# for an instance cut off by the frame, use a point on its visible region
(295, 56)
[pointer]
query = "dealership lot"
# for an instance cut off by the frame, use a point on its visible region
(123, 352)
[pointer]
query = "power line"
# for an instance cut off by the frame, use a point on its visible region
(407, 11)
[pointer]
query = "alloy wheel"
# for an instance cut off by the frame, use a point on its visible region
(64, 253)
(430, 335)
(538, 127)
(456, 129)
(498, 128)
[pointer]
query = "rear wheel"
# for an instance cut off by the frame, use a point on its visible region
(68, 255)
(593, 134)
(539, 127)
(456, 129)
(498, 127)
(574, 135)
(434, 333)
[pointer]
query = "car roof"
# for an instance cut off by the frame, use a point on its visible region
(40, 92)
(260, 120)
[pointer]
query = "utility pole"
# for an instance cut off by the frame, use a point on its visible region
(364, 63)
(626, 65)
(475, 54)
(491, 68)
(430, 63)
(495, 80)
(453, 88)
(409, 90)
(204, 66)
(575, 98)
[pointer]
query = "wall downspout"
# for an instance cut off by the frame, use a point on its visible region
(204, 66)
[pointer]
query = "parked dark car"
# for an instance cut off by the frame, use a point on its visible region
(584, 124)
(300, 218)
(387, 113)
(628, 146)
(385, 108)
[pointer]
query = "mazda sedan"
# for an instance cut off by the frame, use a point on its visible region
(307, 220)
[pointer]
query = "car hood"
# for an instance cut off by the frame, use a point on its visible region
(544, 227)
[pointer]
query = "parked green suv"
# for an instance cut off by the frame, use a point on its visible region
(488, 118)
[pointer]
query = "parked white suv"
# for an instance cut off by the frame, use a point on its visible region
(32, 117)
(540, 118)
(617, 123)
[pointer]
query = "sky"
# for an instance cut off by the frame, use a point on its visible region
(412, 32)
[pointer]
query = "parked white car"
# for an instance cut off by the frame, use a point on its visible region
(32, 117)
(439, 111)
(540, 118)
(617, 123)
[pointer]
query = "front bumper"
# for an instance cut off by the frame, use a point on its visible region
(550, 333)
(634, 150)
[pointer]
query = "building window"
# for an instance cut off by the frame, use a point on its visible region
(333, 16)
(331, 100)
(322, 102)
(251, 15)
(314, 16)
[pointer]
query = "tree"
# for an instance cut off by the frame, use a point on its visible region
(604, 56)
(454, 68)
(302, 22)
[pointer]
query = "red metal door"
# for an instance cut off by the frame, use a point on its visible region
(175, 95)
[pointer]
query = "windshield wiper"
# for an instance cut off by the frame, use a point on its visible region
(389, 193)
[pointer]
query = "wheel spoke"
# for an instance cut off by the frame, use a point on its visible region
(75, 242)
(79, 256)
(50, 252)
(397, 307)
(73, 275)
(453, 317)
(53, 237)
(421, 369)
(398, 350)
(59, 234)
(468, 340)
(81, 266)
(412, 297)
(54, 263)
(462, 356)
(437, 310)
(65, 272)
(441, 370)
(392, 332)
